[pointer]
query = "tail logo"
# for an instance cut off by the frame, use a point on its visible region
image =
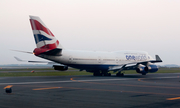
(42, 35)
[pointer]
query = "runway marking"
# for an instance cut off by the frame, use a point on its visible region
(9, 86)
(71, 79)
(173, 98)
(86, 81)
(45, 82)
(132, 85)
(47, 88)
(141, 80)
(121, 91)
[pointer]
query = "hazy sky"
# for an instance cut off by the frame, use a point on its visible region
(106, 25)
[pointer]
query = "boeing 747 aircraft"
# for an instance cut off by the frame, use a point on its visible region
(98, 62)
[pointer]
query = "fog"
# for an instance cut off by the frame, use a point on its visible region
(100, 25)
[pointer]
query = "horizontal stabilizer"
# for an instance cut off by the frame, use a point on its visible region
(23, 51)
(18, 59)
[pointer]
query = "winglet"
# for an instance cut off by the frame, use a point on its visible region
(158, 59)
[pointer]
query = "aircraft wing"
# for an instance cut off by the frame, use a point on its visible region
(158, 59)
(132, 66)
(117, 68)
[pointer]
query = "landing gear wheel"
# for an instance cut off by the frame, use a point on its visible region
(107, 74)
(119, 74)
(97, 74)
(94, 74)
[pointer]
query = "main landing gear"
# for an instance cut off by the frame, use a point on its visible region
(120, 74)
(97, 74)
(143, 73)
(101, 74)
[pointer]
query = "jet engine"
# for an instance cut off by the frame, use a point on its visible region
(151, 68)
(141, 69)
(60, 68)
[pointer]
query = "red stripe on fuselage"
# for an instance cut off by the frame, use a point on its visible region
(39, 26)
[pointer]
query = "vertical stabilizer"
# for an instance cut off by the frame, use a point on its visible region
(43, 36)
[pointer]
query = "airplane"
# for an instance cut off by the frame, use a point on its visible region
(100, 63)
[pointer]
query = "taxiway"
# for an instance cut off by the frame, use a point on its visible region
(133, 90)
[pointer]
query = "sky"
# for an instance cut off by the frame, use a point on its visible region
(97, 25)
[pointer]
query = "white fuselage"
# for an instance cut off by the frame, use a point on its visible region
(99, 60)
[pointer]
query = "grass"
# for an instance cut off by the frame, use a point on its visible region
(161, 70)
(64, 73)
(51, 72)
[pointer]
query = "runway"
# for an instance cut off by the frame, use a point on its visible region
(132, 90)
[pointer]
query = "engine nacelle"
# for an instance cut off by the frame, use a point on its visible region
(61, 68)
(151, 68)
(140, 70)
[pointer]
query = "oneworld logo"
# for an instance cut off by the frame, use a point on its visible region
(136, 58)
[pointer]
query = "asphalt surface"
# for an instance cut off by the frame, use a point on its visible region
(130, 91)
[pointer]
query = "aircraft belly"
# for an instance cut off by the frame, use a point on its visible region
(91, 66)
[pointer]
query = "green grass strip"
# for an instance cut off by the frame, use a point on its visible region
(64, 73)
(52, 72)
